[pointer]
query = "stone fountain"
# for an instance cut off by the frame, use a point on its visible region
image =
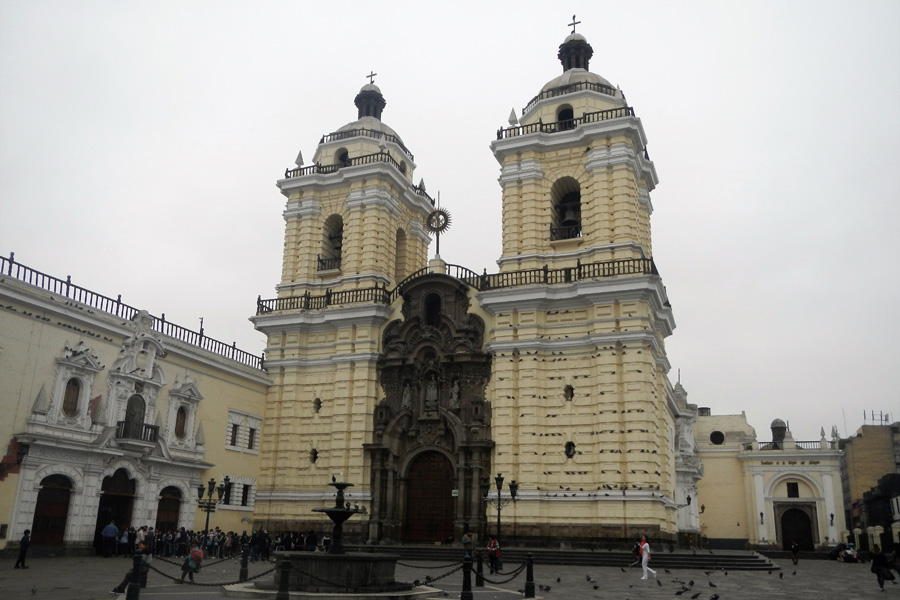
(337, 574)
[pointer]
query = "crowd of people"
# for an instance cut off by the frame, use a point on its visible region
(214, 543)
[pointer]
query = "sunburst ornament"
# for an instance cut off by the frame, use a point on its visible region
(438, 222)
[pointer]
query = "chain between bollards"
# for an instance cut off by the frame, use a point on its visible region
(479, 569)
(242, 575)
(467, 579)
(284, 581)
(133, 592)
(529, 577)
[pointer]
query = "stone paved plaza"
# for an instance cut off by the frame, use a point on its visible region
(92, 578)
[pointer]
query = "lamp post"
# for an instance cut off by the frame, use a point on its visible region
(499, 502)
(214, 495)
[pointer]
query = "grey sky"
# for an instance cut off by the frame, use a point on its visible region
(140, 143)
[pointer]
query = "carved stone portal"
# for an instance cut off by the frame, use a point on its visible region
(433, 419)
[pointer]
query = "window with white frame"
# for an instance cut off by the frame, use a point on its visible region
(240, 494)
(242, 433)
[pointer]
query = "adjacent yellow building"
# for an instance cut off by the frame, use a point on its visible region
(767, 494)
(113, 414)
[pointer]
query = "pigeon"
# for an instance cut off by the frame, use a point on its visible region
(587, 578)
(679, 592)
(714, 597)
(596, 587)
(659, 583)
(781, 576)
(711, 584)
(794, 573)
(557, 580)
(667, 571)
(622, 569)
(695, 596)
(691, 583)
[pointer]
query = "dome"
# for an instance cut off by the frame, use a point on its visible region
(778, 423)
(370, 123)
(370, 87)
(575, 76)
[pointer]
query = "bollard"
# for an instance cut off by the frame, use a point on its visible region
(479, 570)
(529, 577)
(284, 581)
(243, 573)
(133, 591)
(467, 579)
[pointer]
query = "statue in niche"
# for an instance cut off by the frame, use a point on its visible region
(454, 394)
(431, 393)
(407, 396)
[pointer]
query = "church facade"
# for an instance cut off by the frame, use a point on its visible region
(420, 381)
(112, 414)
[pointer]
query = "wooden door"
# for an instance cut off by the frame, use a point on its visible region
(51, 512)
(429, 500)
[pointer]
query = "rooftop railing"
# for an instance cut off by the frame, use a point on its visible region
(366, 159)
(568, 89)
(565, 124)
(114, 306)
(481, 282)
(370, 133)
(791, 445)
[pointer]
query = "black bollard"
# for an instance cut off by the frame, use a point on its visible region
(243, 573)
(467, 579)
(133, 592)
(479, 569)
(529, 577)
(284, 581)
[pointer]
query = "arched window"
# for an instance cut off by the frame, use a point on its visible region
(332, 244)
(400, 268)
(433, 310)
(70, 400)
(180, 421)
(565, 117)
(569, 392)
(342, 157)
(565, 197)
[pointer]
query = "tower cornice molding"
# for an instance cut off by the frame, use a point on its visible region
(520, 171)
(322, 320)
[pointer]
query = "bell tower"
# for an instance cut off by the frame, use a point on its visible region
(354, 219)
(575, 172)
(354, 228)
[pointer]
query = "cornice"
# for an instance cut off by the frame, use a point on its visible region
(322, 320)
(581, 135)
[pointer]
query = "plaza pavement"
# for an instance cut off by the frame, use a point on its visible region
(91, 578)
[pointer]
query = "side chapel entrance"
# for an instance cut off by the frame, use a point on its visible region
(433, 421)
(51, 511)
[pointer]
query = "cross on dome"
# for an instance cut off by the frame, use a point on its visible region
(574, 23)
(371, 76)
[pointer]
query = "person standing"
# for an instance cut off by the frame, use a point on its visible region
(645, 558)
(24, 543)
(191, 564)
(468, 542)
(110, 534)
(795, 551)
(493, 550)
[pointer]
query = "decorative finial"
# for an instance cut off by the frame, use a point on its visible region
(371, 76)
(513, 120)
(574, 23)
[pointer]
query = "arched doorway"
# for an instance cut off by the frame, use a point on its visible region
(116, 503)
(796, 526)
(168, 509)
(429, 500)
(51, 511)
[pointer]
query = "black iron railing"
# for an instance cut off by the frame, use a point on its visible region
(352, 162)
(792, 445)
(81, 296)
(371, 133)
(365, 159)
(482, 282)
(565, 124)
(136, 431)
(568, 89)
(327, 264)
(566, 232)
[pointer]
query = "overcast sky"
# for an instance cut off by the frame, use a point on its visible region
(140, 143)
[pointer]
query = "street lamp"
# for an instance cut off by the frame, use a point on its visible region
(499, 502)
(214, 495)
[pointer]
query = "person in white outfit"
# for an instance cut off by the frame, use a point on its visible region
(645, 558)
